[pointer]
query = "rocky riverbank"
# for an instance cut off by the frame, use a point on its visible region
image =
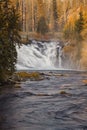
(17, 77)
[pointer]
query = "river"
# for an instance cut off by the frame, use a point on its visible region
(59, 102)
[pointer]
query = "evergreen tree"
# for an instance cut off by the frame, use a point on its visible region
(42, 27)
(78, 29)
(79, 26)
(9, 35)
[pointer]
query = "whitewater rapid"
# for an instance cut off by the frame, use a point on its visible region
(39, 56)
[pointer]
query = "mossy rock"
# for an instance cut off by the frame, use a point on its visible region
(31, 76)
(63, 92)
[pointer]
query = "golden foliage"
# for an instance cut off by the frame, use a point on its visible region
(73, 15)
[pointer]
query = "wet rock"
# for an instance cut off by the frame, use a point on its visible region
(47, 78)
(49, 74)
(42, 94)
(17, 85)
(42, 74)
(36, 79)
(58, 75)
(65, 93)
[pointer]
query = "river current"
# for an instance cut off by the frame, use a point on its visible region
(59, 102)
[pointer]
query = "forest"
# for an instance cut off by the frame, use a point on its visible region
(58, 15)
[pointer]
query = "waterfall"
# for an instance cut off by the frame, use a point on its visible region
(39, 56)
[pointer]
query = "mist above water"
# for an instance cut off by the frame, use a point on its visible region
(39, 56)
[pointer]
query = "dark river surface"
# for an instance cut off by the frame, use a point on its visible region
(59, 102)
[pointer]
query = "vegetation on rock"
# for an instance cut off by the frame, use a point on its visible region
(32, 76)
(63, 92)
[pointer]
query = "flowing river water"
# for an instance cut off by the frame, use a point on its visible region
(58, 102)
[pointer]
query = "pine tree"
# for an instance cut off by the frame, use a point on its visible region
(79, 26)
(78, 29)
(9, 35)
(42, 27)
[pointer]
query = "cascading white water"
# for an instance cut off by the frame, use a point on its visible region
(39, 56)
